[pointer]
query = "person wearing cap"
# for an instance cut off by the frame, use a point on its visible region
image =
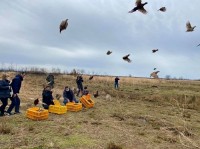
(47, 97)
(15, 100)
(4, 93)
(68, 96)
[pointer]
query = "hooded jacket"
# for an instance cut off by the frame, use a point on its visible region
(16, 83)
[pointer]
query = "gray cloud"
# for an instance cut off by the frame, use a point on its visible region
(29, 35)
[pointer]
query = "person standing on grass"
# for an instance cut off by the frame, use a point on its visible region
(15, 100)
(79, 82)
(50, 80)
(117, 83)
(4, 93)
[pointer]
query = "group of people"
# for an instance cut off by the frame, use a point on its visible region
(10, 91)
(68, 94)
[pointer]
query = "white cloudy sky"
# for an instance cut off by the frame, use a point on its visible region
(29, 36)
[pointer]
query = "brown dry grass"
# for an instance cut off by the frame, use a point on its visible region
(142, 114)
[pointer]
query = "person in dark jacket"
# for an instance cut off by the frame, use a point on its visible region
(79, 82)
(50, 80)
(47, 97)
(4, 93)
(117, 82)
(68, 96)
(15, 100)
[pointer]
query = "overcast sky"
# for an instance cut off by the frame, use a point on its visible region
(29, 36)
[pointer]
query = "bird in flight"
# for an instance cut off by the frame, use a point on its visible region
(163, 9)
(126, 58)
(189, 27)
(139, 7)
(154, 74)
(198, 45)
(63, 25)
(91, 77)
(154, 50)
(154, 69)
(109, 52)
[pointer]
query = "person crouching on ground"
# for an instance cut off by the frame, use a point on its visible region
(4, 93)
(68, 96)
(47, 97)
(85, 91)
(15, 100)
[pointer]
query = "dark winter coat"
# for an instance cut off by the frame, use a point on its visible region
(47, 97)
(79, 80)
(116, 80)
(68, 95)
(4, 89)
(16, 84)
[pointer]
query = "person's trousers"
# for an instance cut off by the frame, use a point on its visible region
(116, 85)
(15, 102)
(4, 104)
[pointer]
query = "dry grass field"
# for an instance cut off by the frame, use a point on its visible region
(142, 114)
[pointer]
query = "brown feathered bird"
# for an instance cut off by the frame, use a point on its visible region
(91, 77)
(154, 50)
(63, 25)
(126, 58)
(36, 102)
(96, 94)
(163, 9)
(154, 74)
(109, 52)
(189, 27)
(139, 7)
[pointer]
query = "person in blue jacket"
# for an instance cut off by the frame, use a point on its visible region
(15, 100)
(4, 93)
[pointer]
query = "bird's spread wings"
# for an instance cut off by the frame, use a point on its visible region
(163, 9)
(188, 25)
(138, 2)
(142, 10)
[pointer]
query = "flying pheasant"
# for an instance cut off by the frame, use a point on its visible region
(139, 7)
(63, 25)
(91, 77)
(189, 27)
(154, 74)
(163, 9)
(109, 52)
(126, 58)
(154, 50)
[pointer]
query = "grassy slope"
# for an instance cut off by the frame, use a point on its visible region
(136, 116)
